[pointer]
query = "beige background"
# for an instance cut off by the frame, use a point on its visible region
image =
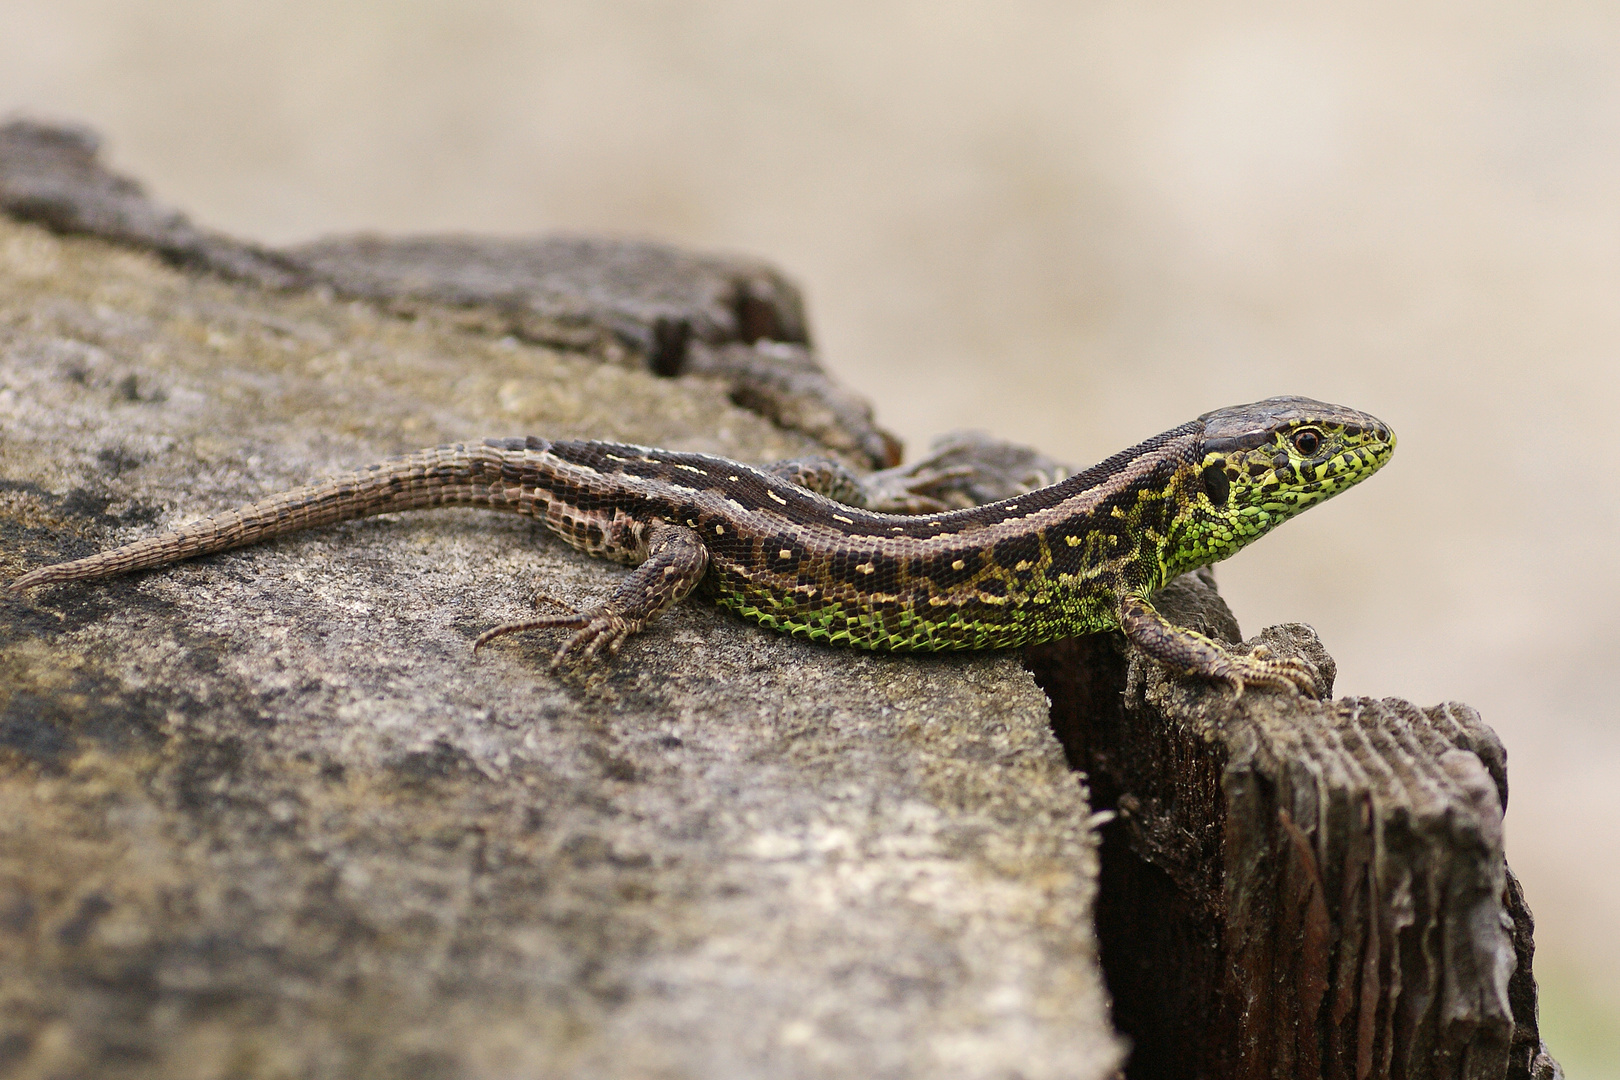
(1071, 224)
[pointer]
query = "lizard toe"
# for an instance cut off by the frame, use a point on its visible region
(566, 621)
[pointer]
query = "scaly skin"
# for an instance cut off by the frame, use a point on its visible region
(1081, 556)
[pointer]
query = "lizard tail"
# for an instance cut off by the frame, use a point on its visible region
(445, 476)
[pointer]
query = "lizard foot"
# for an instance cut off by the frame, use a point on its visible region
(1261, 668)
(676, 560)
(594, 630)
(1192, 653)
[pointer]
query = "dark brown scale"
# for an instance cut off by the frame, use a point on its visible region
(949, 569)
(1012, 550)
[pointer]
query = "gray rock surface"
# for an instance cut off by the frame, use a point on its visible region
(264, 815)
(51, 175)
(655, 298)
(733, 320)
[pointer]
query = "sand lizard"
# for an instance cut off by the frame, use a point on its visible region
(1083, 555)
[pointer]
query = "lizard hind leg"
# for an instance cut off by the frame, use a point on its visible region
(893, 491)
(823, 476)
(676, 561)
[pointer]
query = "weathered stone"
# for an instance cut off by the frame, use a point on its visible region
(787, 385)
(628, 301)
(51, 175)
(657, 299)
(264, 814)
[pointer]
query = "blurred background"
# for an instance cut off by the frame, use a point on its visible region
(1073, 225)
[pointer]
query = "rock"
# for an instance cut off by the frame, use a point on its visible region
(51, 175)
(651, 305)
(264, 814)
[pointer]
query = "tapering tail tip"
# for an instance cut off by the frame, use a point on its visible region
(44, 575)
(23, 584)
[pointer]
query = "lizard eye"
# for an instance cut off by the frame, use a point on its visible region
(1216, 485)
(1307, 442)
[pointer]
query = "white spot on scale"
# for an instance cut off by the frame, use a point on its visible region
(777, 497)
(958, 565)
(866, 568)
(785, 553)
(845, 520)
(719, 530)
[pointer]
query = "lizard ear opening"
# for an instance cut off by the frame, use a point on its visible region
(1216, 485)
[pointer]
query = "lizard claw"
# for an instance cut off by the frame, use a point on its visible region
(593, 630)
(675, 563)
(545, 598)
(1260, 668)
(601, 629)
(573, 620)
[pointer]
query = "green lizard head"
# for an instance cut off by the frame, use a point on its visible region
(1264, 463)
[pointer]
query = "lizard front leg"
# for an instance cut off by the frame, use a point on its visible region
(676, 561)
(1189, 651)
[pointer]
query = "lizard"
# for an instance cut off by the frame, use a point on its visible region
(1082, 555)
